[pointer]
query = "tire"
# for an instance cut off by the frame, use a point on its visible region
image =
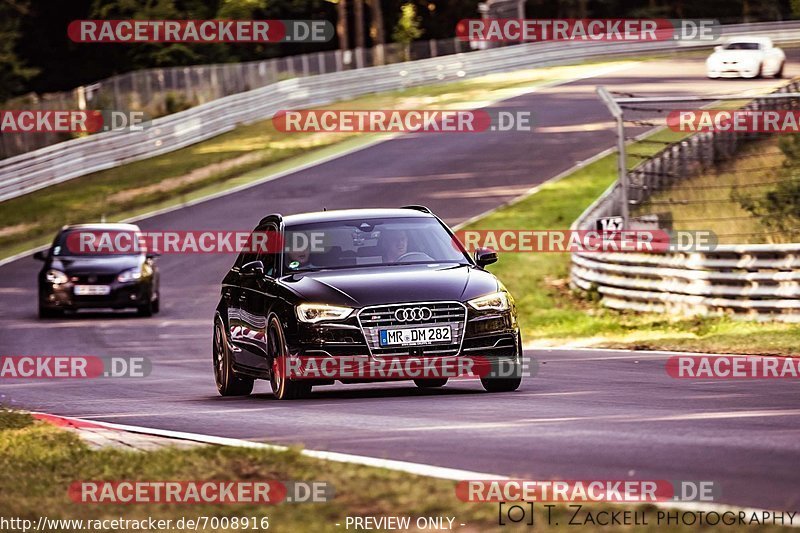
(779, 74)
(430, 383)
(282, 387)
(145, 310)
(759, 73)
(228, 383)
(46, 312)
(504, 384)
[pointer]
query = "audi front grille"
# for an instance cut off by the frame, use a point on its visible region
(412, 315)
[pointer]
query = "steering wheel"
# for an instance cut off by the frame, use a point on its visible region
(422, 256)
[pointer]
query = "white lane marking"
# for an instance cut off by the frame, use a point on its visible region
(390, 464)
(724, 415)
(628, 350)
(572, 393)
(718, 415)
(172, 413)
(420, 469)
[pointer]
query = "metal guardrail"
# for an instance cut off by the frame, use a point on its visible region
(67, 160)
(758, 281)
(156, 90)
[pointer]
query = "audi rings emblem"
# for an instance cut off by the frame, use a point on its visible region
(413, 314)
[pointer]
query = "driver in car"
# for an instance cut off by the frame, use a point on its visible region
(393, 245)
(299, 258)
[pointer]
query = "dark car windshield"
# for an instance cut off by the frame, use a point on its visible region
(742, 46)
(93, 242)
(369, 242)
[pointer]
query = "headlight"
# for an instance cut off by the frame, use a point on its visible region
(132, 274)
(497, 301)
(317, 312)
(56, 277)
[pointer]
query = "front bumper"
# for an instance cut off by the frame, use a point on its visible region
(490, 334)
(121, 295)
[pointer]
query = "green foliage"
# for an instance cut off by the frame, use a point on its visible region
(13, 72)
(779, 208)
(408, 27)
(240, 9)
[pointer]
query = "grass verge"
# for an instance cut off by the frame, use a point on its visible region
(38, 462)
(551, 314)
(244, 155)
(709, 199)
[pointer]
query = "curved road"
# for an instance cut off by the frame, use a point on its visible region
(588, 414)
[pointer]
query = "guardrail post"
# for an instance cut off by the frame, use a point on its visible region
(622, 159)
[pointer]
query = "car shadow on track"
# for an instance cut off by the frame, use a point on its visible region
(338, 392)
(89, 315)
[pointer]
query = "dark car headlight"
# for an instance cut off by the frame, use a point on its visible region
(56, 277)
(496, 301)
(313, 313)
(132, 274)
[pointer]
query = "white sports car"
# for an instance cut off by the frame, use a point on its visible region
(746, 57)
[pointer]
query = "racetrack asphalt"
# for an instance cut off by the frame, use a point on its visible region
(588, 414)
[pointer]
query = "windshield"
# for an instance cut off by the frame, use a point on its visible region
(369, 242)
(742, 46)
(96, 243)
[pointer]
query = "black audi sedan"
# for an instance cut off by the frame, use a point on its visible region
(75, 277)
(372, 285)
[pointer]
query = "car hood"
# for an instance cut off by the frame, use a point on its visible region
(359, 287)
(109, 264)
(737, 55)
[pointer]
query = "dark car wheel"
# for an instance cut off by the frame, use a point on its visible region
(430, 383)
(46, 312)
(282, 387)
(148, 309)
(228, 383)
(779, 74)
(505, 384)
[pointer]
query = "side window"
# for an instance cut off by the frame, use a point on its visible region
(269, 257)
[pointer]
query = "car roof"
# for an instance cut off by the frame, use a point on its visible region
(350, 214)
(759, 40)
(103, 226)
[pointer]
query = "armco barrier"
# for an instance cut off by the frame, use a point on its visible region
(64, 161)
(755, 281)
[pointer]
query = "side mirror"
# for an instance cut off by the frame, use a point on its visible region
(41, 255)
(485, 256)
(252, 269)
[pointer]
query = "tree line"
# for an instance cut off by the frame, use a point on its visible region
(36, 55)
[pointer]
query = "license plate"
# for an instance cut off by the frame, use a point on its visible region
(92, 290)
(414, 336)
